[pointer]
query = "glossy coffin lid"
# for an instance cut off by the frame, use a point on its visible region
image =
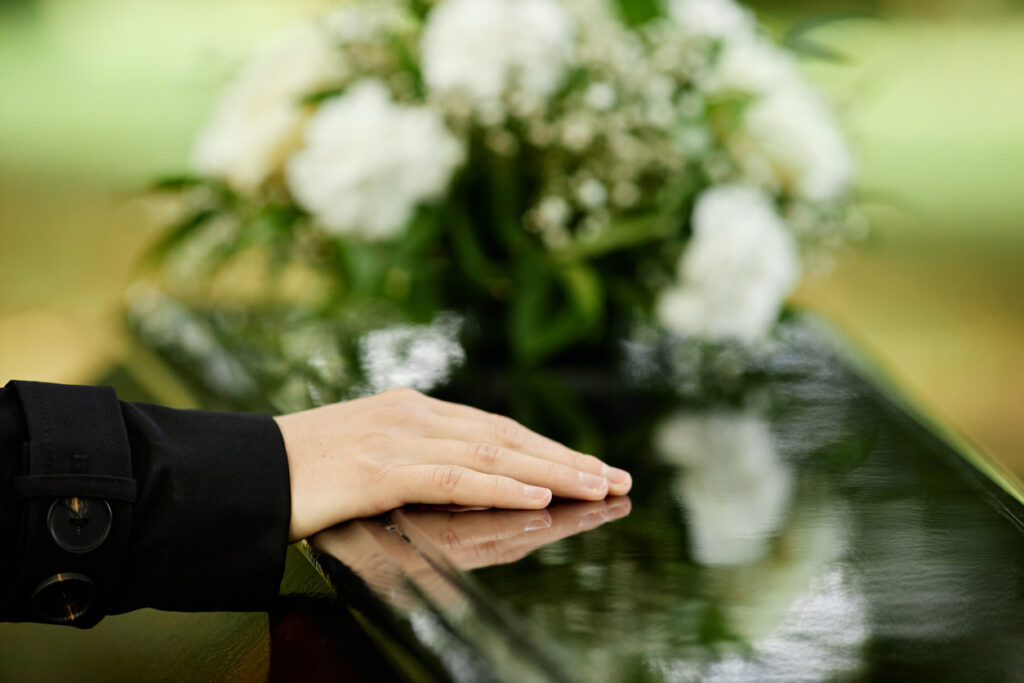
(805, 529)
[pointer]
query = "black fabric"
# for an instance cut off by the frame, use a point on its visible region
(76, 438)
(51, 485)
(209, 527)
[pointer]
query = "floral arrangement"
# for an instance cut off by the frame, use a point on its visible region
(556, 170)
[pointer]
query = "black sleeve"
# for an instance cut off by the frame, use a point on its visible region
(209, 525)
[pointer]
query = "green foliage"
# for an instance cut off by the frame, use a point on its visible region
(636, 12)
(554, 308)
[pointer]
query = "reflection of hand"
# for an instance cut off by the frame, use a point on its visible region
(386, 560)
(482, 538)
(364, 457)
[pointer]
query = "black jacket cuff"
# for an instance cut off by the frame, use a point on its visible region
(209, 526)
(213, 512)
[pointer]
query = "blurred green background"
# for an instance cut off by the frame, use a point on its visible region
(97, 97)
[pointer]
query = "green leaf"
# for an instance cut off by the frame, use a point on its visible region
(637, 12)
(470, 256)
(798, 40)
(176, 183)
(506, 204)
(177, 234)
(623, 234)
(552, 309)
(408, 62)
(318, 96)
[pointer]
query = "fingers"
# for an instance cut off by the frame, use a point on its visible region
(455, 485)
(484, 457)
(477, 426)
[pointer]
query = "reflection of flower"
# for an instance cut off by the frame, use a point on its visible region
(259, 119)
(819, 636)
(416, 356)
(739, 267)
(485, 49)
(735, 488)
(368, 162)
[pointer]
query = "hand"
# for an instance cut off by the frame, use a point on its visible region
(364, 457)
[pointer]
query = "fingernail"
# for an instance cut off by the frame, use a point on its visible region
(591, 520)
(617, 510)
(536, 492)
(616, 476)
(592, 481)
(538, 523)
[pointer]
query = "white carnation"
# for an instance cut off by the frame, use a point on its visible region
(718, 19)
(368, 162)
(733, 486)
(737, 270)
(788, 139)
(486, 49)
(259, 119)
(752, 65)
(792, 132)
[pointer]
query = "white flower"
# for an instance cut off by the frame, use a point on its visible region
(752, 65)
(733, 486)
(365, 22)
(486, 49)
(788, 139)
(718, 19)
(737, 270)
(258, 121)
(368, 162)
(793, 132)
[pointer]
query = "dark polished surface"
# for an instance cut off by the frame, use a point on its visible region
(795, 526)
(808, 530)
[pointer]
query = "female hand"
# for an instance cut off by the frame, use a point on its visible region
(364, 457)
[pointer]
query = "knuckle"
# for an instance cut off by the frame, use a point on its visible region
(587, 463)
(486, 455)
(449, 540)
(509, 431)
(448, 477)
(375, 440)
(551, 471)
(487, 552)
(403, 394)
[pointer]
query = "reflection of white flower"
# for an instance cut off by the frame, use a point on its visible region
(737, 270)
(258, 121)
(485, 49)
(416, 356)
(368, 162)
(711, 18)
(734, 487)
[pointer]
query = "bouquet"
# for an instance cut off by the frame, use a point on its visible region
(556, 172)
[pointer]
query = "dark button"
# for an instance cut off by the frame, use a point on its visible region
(63, 598)
(80, 525)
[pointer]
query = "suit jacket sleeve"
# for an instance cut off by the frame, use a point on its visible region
(209, 527)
